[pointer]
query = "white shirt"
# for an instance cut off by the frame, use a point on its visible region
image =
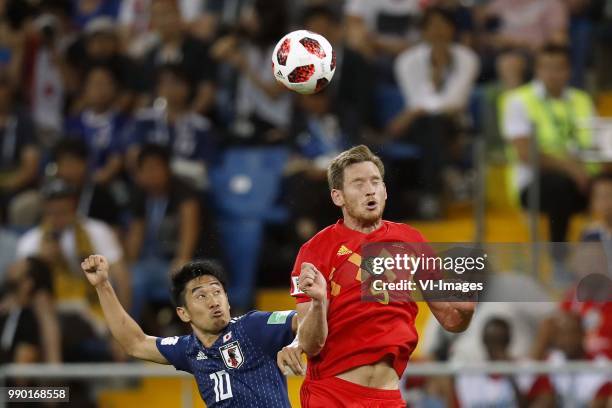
(577, 389)
(517, 123)
(101, 236)
(481, 390)
(47, 92)
(413, 74)
(251, 99)
(369, 10)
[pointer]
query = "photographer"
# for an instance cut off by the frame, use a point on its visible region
(28, 323)
(261, 107)
(63, 239)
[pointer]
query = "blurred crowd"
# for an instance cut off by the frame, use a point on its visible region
(153, 131)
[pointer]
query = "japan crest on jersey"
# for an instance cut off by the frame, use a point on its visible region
(232, 355)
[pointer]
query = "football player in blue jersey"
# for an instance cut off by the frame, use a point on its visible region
(233, 360)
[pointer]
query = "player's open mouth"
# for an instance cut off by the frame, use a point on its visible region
(217, 313)
(371, 205)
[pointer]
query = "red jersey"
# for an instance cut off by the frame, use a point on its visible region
(360, 333)
(597, 321)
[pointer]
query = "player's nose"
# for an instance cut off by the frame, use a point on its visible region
(213, 303)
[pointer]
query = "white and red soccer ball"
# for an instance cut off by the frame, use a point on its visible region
(304, 62)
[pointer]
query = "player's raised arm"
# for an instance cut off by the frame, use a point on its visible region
(123, 328)
(312, 331)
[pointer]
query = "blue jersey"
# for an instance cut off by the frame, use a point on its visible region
(190, 137)
(102, 133)
(239, 370)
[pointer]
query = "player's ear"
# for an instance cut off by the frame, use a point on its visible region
(385, 190)
(183, 314)
(337, 197)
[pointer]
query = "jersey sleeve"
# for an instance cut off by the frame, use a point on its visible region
(174, 349)
(306, 254)
(270, 330)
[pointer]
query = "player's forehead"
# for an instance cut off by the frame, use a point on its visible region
(205, 282)
(366, 169)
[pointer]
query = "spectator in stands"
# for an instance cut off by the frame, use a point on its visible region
(261, 109)
(199, 16)
(319, 133)
(61, 239)
(85, 11)
(14, 15)
(511, 69)
(581, 39)
(95, 200)
(351, 69)
(191, 12)
(525, 24)
(602, 45)
(549, 111)
(43, 80)
(172, 123)
(165, 228)
(464, 19)
(28, 321)
(581, 388)
(502, 390)
(593, 256)
(600, 200)
(384, 27)
(435, 78)
(99, 45)
(99, 125)
(176, 46)
(19, 162)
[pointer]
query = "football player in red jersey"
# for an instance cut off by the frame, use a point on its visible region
(357, 350)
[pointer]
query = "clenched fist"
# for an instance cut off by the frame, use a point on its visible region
(96, 269)
(312, 282)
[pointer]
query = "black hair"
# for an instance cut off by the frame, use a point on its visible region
(176, 70)
(193, 270)
(500, 323)
(70, 147)
(320, 10)
(555, 49)
(273, 16)
(112, 72)
(63, 7)
(446, 14)
(153, 150)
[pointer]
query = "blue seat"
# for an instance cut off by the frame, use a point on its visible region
(245, 187)
(390, 103)
(247, 181)
(399, 151)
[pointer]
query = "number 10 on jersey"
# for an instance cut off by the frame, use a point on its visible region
(223, 387)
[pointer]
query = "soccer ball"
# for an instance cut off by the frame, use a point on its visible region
(304, 62)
